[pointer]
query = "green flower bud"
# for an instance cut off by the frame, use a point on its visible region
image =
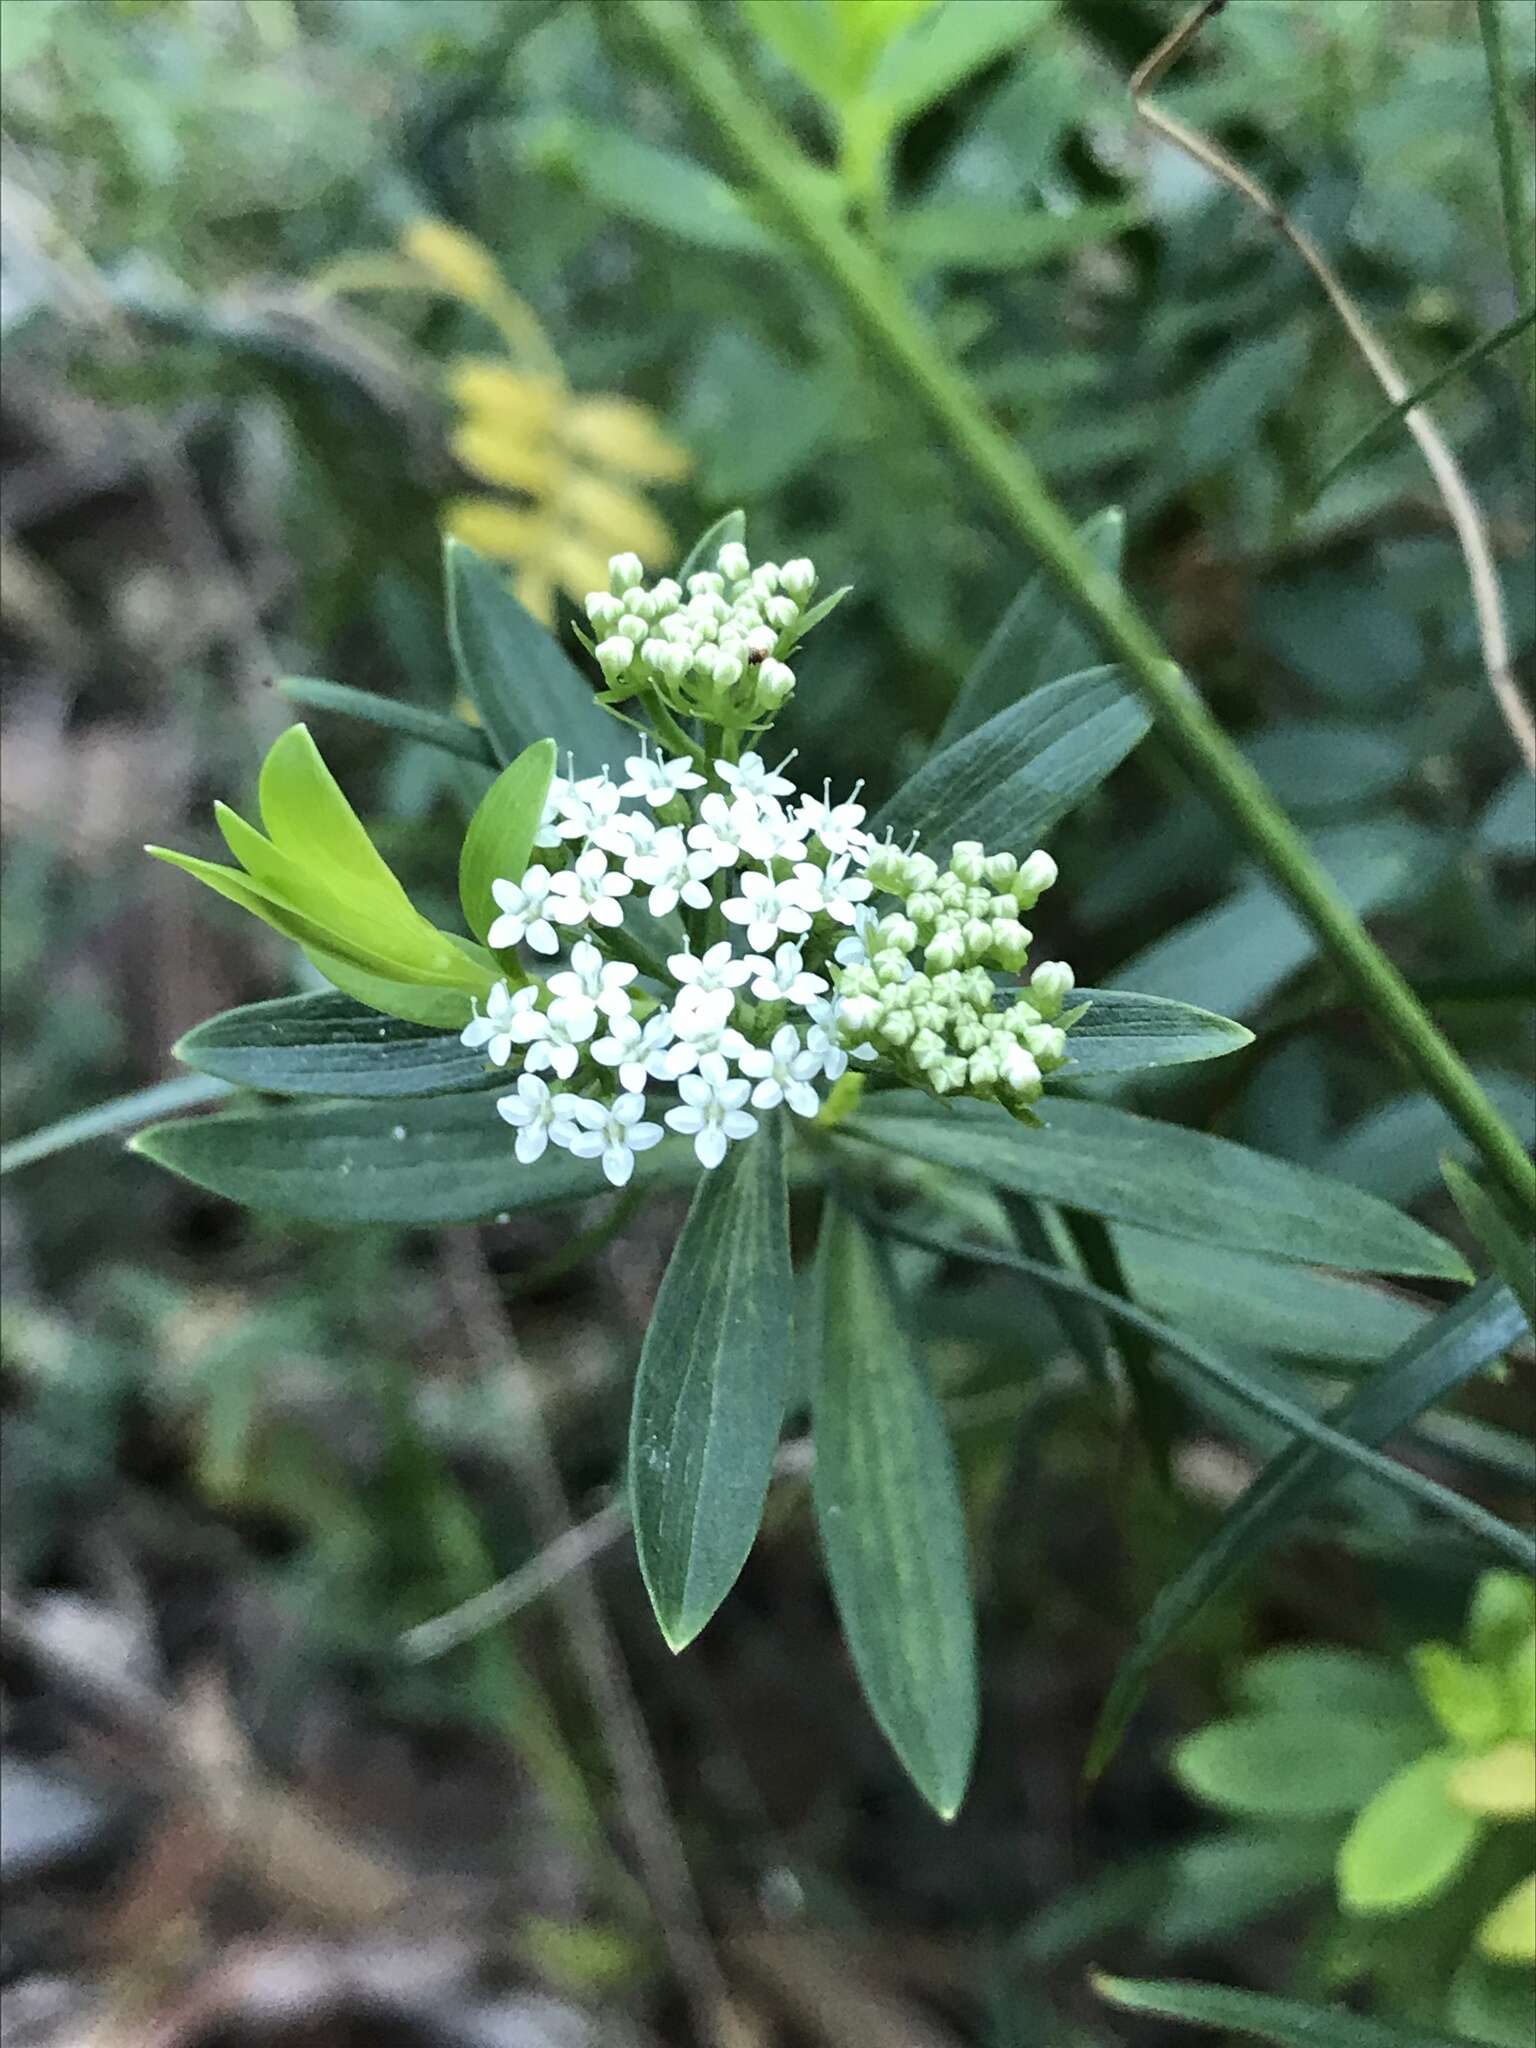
(614, 656)
(967, 860)
(733, 562)
(927, 1049)
(977, 934)
(999, 870)
(946, 949)
(1050, 984)
(897, 932)
(969, 1033)
(798, 579)
(1033, 879)
(947, 1076)
(951, 892)
(624, 573)
(860, 1015)
(781, 613)
(890, 966)
(896, 1028)
(982, 1070)
(603, 609)
(1010, 943)
(924, 909)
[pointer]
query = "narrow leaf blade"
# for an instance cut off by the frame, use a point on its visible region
(1123, 1032)
(409, 721)
(327, 1044)
(1284, 2021)
(1134, 1169)
(1009, 781)
(892, 1527)
(710, 1392)
(514, 672)
(1513, 1256)
(110, 1119)
(500, 836)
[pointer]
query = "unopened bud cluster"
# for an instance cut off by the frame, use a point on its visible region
(714, 650)
(919, 985)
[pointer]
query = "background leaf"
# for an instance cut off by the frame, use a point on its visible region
(1281, 2020)
(327, 1044)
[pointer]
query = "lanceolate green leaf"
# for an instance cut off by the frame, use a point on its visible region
(438, 1009)
(1428, 1367)
(514, 672)
(500, 836)
(448, 1159)
(1513, 1254)
(1133, 1169)
(888, 1509)
(709, 1396)
(1038, 639)
(1009, 781)
(308, 817)
(327, 1044)
(431, 728)
(1122, 1032)
(1284, 2021)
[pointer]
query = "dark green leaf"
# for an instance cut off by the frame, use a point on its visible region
(513, 671)
(994, 234)
(327, 1044)
(1123, 1031)
(109, 1119)
(1513, 1254)
(889, 1512)
(709, 1396)
(1424, 1371)
(500, 836)
(1039, 638)
(1009, 781)
(1135, 1170)
(448, 1159)
(1281, 2020)
(432, 728)
(637, 181)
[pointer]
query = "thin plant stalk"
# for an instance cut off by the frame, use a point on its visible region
(1519, 228)
(877, 303)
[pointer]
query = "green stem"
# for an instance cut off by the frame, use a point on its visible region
(667, 728)
(1517, 224)
(876, 302)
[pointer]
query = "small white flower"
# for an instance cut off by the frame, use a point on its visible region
(613, 1132)
(712, 1111)
(784, 978)
(604, 983)
(586, 806)
(554, 1037)
(626, 833)
(750, 777)
(773, 834)
(841, 892)
(767, 908)
(702, 1027)
(854, 950)
(837, 826)
(548, 834)
(721, 827)
(588, 890)
(494, 1029)
(714, 969)
(783, 1071)
(674, 872)
(659, 781)
(639, 1051)
(825, 1037)
(537, 1116)
(525, 913)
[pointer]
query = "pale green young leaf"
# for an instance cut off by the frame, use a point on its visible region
(1299, 1763)
(1409, 1842)
(1284, 2021)
(514, 672)
(447, 1159)
(710, 1392)
(1133, 1169)
(1513, 1255)
(889, 1512)
(308, 818)
(440, 1008)
(1007, 782)
(327, 1044)
(1039, 638)
(500, 836)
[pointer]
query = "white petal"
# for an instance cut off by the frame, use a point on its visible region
(802, 1098)
(709, 1144)
(618, 1163)
(686, 1120)
(737, 1124)
(767, 1094)
(531, 1143)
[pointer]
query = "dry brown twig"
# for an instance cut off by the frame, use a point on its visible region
(1455, 493)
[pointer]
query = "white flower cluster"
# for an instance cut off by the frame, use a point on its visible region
(714, 651)
(787, 969)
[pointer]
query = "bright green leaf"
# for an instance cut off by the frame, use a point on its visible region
(307, 817)
(500, 836)
(1293, 1764)
(892, 1527)
(710, 1393)
(1467, 1699)
(1407, 1845)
